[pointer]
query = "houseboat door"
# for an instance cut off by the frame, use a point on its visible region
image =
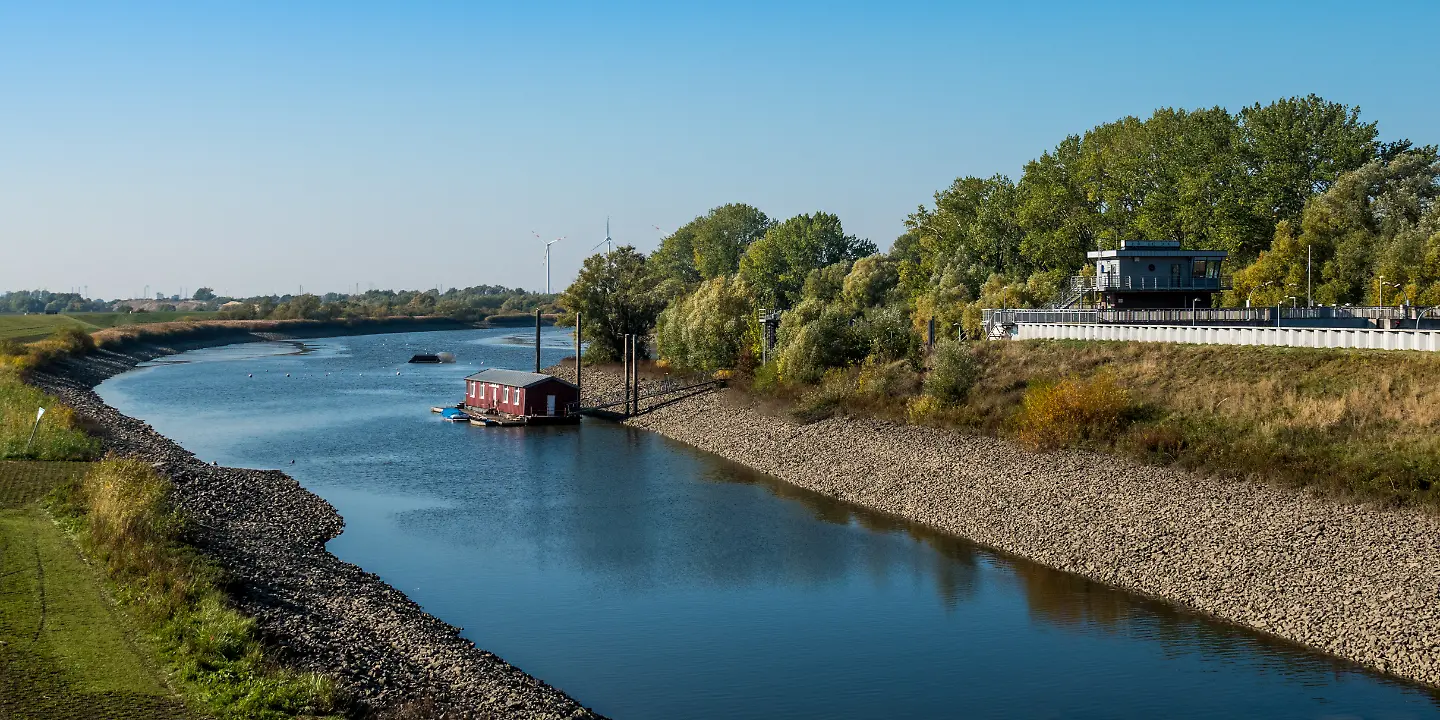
(549, 404)
(1175, 276)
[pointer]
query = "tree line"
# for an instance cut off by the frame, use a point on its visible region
(1274, 185)
(471, 304)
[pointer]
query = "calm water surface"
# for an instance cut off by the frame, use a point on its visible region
(651, 580)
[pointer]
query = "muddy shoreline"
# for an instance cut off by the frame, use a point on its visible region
(1357, 582)
(268, 533)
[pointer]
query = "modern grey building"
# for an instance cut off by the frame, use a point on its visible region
(1152, 274)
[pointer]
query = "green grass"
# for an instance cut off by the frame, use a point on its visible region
(119, 511)
(57, 437)
(66, 653)
(29, 328)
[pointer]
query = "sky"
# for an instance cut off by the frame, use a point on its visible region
(262, 147)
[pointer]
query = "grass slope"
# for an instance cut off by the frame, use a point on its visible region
(64, 651)
(28, 328)
(1356, 424)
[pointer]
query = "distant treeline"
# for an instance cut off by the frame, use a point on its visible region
(470, 304)
(44, 301)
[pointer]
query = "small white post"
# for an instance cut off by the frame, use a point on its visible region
(38, 414)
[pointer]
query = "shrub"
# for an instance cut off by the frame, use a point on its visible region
(827, 342)
(1072, 410)
(886, 333)
(825, 400)
(953, 372)
(885, 382)
(920, 409)
(73, 340)
(766, 377)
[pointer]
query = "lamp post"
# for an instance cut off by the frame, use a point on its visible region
(1251, 294)
(1194, 318)
(1309, 301)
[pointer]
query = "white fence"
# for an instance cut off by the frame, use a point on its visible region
(1236, 335)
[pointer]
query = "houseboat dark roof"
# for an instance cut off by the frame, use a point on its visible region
(514, 378)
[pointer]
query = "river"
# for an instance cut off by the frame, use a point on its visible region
(651, 580)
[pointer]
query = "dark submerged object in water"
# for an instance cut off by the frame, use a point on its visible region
(443, 357)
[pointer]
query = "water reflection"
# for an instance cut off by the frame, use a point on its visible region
(1062, 599)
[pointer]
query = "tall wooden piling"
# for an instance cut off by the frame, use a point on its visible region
(625, 368)
(635, 374)
(537, 340)
(579, 389)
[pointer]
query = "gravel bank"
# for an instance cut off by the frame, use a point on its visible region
(320, 613)
(1353, 581)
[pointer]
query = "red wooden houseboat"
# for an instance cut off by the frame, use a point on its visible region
(532, 397)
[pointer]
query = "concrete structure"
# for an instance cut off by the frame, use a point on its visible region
(522, 394)
(1149, 274)
(1316, 337)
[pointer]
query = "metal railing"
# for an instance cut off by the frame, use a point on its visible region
(1177, 316)
(1087, 283)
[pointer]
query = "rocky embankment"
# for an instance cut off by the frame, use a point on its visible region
(1354, 581)
(322, 614)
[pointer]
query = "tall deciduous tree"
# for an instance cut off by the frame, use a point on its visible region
(1294, 148)
(776, 266)
(615, 295)
(722, 236)
(708, 246)
(1376, 221)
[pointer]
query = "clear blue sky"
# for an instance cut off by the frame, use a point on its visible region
(255, 147)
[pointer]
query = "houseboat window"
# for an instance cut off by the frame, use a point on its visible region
(1213, 269)
(507, 394)
(1198, 269)
(1152, 267)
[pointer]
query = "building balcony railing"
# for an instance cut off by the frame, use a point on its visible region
(1145, 283)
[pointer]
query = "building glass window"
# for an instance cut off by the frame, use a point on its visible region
(507, 394)
(1197, 269)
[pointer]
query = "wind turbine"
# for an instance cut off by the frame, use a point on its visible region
(606, 241)
(547, 263)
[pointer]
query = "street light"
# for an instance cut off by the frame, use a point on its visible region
(1251, 294)
(1193, 314)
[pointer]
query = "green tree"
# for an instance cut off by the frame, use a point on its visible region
(709, 329)
(708, 246)
(1297, 147)
(672, 265)
(615, 295)
(1373, 222)
(776, 266)
(871, 281)
(722, 236)
(205, 294)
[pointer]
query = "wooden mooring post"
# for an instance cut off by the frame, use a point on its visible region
(625, 369)
(579, 389)
(537, 340)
